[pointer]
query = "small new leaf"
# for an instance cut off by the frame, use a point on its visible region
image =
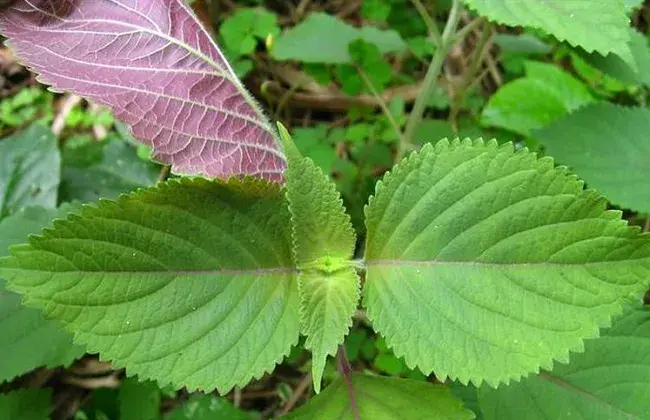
(323, 243)
(485, 264)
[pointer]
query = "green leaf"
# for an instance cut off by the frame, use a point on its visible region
(610, 380)
(324, 242)
(328, 301)
(369, 59)
(496, 261)
(24, 330)
(377, 10)
(242, 30)
(544, 95)
(521, 44)
(431, 131)
(207, 407)
(95, 170)
(139, 400)
(26, 404)
(595, 26)
(616, 67)
(630, 5)
(29, 170)
(304, 42)
(313, 143)
(381, 398)
(190, 283)
(607, 145)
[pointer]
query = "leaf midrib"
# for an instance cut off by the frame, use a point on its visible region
(547, 376)
(432, 263)
(219, 271)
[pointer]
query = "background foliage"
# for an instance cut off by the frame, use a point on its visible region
(344, 76)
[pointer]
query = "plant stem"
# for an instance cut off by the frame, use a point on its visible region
(345, 370)
(429, 22)
(469, 81)
(446, 41)
(381, 102)
(467, 29)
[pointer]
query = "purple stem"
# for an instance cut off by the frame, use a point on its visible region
(346, 370)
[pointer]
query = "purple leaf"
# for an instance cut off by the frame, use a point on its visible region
(159, 71)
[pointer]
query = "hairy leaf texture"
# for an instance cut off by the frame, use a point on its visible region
(190, 283)
(159, 71)
(323, 244)
(485, 264)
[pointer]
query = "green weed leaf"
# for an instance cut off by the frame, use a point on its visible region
(30, 170)
(191, 282)
(323, 244)
(381, 398)
(247, 26)
(207, 407)
(139, 400)
(616, 67)
(93, 170)
(610, 380)
(26, 404)
(603, 144)
(544, 95)
(595, 26)
(304, 42)
(24, 330)
(485, 264)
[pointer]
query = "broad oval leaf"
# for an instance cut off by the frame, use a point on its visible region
(485, 264)
(191, 282)
(546, 94)
(159, 71)
(24, 330)
(593, 25)
(30, 170)
(610, 380)
(609, 147)
(381, 398)
(26, 404)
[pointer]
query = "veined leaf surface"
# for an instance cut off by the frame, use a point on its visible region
(381, 398)
(159, 71)
(609, 146)
(30, 170)
(24, 330)
(610, 380)
(593, 25)
(485, 264)
(190, 283)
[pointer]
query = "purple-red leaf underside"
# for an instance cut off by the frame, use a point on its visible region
(159, 71)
